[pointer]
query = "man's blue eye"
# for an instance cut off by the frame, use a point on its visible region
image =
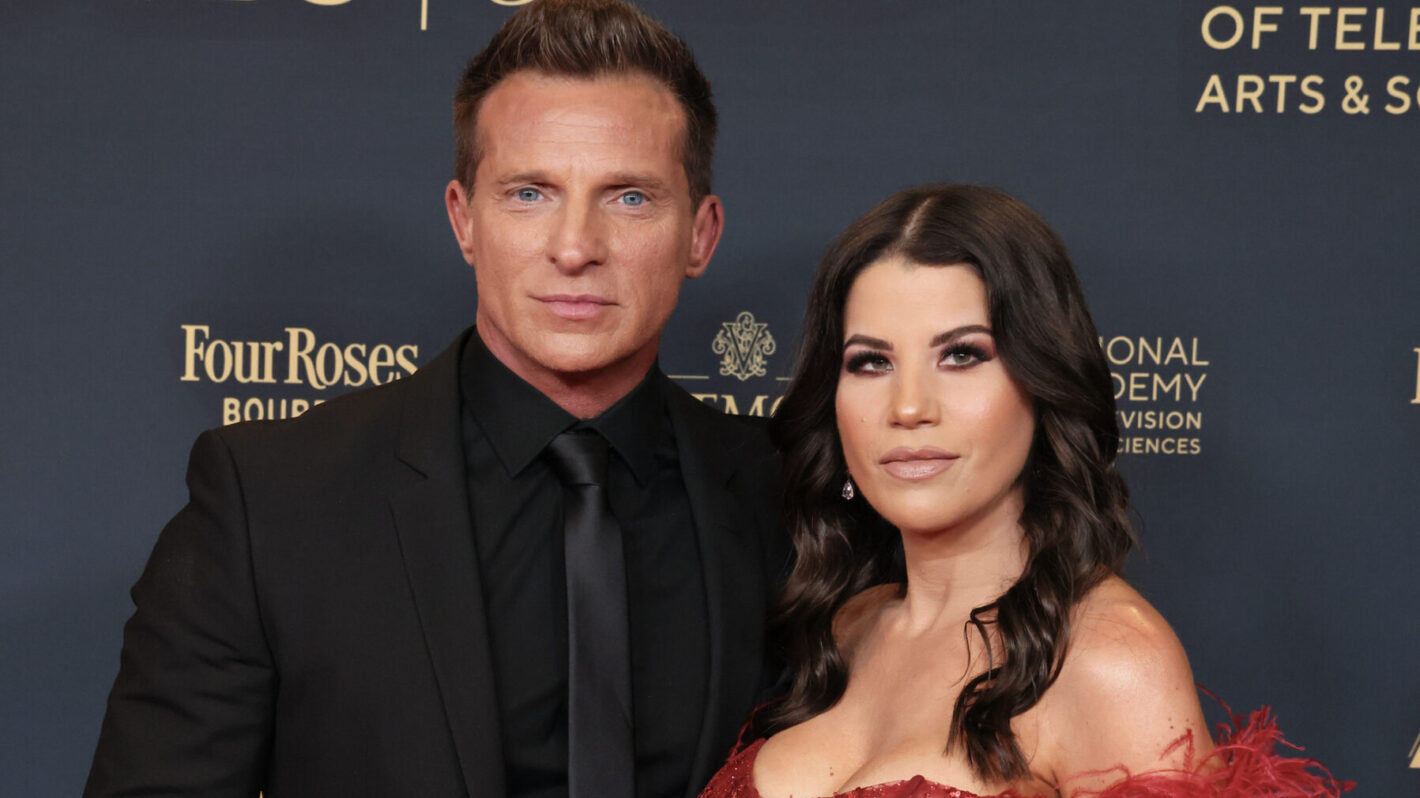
(633, 198)
(528, 194)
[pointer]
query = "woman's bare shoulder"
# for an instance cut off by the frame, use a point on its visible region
(1125, 694)
(1113, 616)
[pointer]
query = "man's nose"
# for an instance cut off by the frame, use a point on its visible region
(578, 240)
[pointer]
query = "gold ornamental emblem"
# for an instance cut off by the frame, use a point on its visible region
(743, 345)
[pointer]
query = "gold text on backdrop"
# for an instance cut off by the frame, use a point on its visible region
(1157, 382)
(306, 363)
(760, 405)
(1341, 29)
(300, 358)
(1349, 21)
(423, 7)
(1416, 400)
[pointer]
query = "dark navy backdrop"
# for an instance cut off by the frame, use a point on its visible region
(188, 182)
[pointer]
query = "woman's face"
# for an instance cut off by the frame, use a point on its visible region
(935, 432)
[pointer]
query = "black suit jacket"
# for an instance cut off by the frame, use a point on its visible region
(312, 622)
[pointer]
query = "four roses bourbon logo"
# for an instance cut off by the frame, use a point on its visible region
(743, 344)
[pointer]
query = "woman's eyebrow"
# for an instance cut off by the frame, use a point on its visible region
(868, 341)
(942, 338)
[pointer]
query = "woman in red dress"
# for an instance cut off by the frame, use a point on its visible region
(956, 624)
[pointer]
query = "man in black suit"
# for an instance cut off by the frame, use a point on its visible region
(373, 599)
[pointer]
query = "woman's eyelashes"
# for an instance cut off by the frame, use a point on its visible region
(965, 354)
(955, 355)
(867, 362)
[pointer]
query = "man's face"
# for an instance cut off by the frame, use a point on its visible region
(579, 225)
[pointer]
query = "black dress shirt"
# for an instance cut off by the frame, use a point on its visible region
(516, 503)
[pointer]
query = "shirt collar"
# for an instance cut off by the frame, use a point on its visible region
(634, 425)
(519, 421)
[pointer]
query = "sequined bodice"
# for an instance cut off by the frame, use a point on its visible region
(1244, 764)
(736, 780)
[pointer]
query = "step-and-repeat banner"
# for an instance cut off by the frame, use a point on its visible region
(218, 210)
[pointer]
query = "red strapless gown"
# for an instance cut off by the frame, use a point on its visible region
(1245, 764)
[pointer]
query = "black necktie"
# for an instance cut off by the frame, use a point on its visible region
(600, 757)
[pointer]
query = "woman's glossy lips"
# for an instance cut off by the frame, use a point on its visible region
(915, 464)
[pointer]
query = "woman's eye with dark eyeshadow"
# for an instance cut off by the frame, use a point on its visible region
(962, 355)
(867, 362)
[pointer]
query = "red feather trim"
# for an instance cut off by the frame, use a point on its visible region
(1245, 764)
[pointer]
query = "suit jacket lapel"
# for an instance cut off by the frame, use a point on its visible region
(734, 582)
(435, 531)
(431, 519)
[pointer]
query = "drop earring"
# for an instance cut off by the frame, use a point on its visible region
(848, 492)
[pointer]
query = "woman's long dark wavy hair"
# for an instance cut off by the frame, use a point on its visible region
(1075, 520)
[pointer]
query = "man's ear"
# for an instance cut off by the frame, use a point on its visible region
(456, 201)
(705, 234)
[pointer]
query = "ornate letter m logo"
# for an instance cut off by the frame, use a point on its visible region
(743, 345)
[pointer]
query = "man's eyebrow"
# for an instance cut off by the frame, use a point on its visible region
(534, 176)
(617, 179)
(636, 179)
(941, 338)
